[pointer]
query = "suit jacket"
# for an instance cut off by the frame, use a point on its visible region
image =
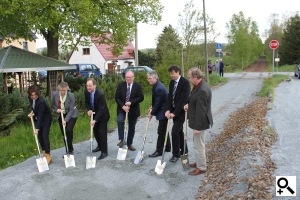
(181, 97)
(159, 100)
(100, 106)
(136, 97)
(42, 113)
(70, 106)
(199, 112)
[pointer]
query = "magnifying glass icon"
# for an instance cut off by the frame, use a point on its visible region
(282, 179)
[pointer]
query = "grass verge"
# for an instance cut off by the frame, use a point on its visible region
(270, 83)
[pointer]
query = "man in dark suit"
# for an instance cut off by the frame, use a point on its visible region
(200, 118)
(179, 90)
(128, 96)
(95, 102)
(158, 109)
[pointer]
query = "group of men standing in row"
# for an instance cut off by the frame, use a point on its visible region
(166, 105)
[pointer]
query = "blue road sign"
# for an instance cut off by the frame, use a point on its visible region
(218, 46)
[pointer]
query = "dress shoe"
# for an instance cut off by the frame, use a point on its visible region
(131, 148)
(103, 155)
(173, 159)
(196, 171)
(193, 165)
(121, 143)
(96, 149)
(155, 154)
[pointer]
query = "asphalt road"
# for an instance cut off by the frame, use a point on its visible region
(113, 179)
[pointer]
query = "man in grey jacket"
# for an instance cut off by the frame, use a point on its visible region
(200, 117)
(64, 101)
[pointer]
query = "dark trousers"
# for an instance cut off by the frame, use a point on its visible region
(161, 131)
(100, 132)
(221, 72)
(178, 137)
(69, 132)
(131, 127)
(43, 136)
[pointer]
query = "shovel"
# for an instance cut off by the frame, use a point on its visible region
(140, 155)
(160, 165)
(184, 157)
(91, 160)
(69, 159)
(41, 161)
(122, 152)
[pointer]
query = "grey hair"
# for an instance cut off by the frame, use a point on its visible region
(64, 85)
(153, 73)
(196, 72)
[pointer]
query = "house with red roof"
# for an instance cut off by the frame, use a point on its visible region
(101, 55)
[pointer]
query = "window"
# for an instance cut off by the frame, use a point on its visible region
(86, 51)
(25, 45)
(86, 67)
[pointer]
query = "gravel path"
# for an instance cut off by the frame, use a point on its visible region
(284, 118)
(113, 179)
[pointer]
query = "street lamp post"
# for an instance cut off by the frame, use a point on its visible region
(205, 43)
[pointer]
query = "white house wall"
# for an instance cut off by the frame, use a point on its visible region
(94, 58)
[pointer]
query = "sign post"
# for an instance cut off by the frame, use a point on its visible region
(274, 44)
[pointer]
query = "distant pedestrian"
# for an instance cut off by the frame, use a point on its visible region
(42, 117)
(221, 66)
(217, 66)
(200, 118)
(210, 67)
(158, 109)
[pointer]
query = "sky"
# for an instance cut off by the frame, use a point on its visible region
(221, 11)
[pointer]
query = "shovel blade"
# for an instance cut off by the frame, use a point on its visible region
(185, 161)
(139, 157)
(122, 152)
(69, 161)
(159, 168)
(42, 164)
(90, 162)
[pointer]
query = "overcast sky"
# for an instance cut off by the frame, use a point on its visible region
(221, 11)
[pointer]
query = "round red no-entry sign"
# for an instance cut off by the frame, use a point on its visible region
(274, 44)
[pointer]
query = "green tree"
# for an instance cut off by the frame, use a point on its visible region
(289, 48)
(168, 47)
(244, 43)
(69, 22)
(191, 28)
(147, 59)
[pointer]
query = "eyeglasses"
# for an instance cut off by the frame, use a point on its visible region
(129, 77)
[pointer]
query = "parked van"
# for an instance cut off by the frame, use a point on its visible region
(84, 70)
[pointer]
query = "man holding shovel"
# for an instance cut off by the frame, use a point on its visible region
(179, 90)
(158, 109)
(200, 117)
(128, 97)
(96, 103)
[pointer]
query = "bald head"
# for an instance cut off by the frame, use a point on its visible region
(129, 77)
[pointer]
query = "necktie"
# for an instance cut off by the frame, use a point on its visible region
(128, 93)
(174, 91)
(92, 101)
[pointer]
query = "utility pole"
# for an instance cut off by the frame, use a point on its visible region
(136, 49)
(205, 42)
(182, 67)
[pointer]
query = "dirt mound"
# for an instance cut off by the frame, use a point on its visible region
(259, 66)
(239, 163)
